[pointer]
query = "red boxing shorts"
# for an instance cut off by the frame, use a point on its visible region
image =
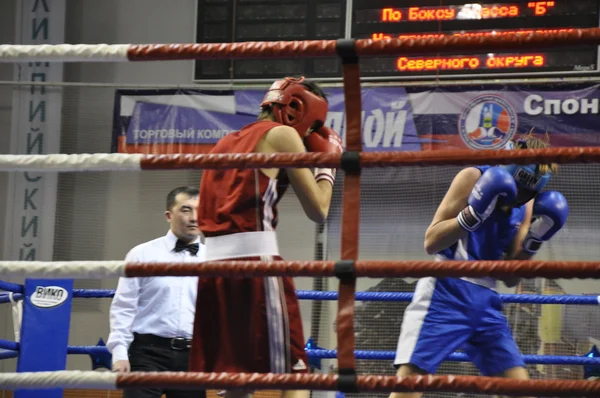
(248, 325)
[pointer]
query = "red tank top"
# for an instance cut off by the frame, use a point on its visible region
(234, 200)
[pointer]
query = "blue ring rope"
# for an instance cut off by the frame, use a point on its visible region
(394, 296)
(8, 354)
(87, 350)
(359, 354)
(507, 298)
(360, 296)
(9, 345)
(5, 297)
(461, 357)
(11, 287)
(93, 293)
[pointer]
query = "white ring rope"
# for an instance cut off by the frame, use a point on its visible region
(58, 379)
(63, 269)
(71, 163)
(64, 53)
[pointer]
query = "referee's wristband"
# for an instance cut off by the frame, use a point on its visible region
(468, 219)
(325, 174)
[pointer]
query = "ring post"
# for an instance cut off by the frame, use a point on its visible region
(345, 268)
(44, 331)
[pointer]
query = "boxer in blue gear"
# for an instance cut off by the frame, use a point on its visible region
(488, 213)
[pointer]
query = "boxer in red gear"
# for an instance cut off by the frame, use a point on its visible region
(254, 324)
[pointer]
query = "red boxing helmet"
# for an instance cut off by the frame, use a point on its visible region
(297, 106)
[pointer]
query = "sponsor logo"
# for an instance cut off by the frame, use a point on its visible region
(49, 296)
(487, 122)
(526, 178)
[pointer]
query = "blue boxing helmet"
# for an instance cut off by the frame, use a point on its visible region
(530, 181)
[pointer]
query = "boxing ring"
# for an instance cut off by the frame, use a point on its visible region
(347, 269)
(15, 295)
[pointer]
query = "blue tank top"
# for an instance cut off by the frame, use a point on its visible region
(491, 240)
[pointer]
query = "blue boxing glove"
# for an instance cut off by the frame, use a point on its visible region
(495, 182)
(550, 212)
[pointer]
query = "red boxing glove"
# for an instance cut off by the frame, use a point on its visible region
(324, 140)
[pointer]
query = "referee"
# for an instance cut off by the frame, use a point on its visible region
(151, 319)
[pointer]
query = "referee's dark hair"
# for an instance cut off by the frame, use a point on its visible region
(189, 191)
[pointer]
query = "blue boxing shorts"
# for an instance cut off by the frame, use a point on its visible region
(447, 314)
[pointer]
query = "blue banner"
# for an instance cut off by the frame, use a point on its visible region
(393, 118)
(155, 123)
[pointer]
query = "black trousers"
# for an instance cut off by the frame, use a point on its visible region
(146, 357)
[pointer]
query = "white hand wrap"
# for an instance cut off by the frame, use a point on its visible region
(325, 174)
(469, 220)
(539, 227)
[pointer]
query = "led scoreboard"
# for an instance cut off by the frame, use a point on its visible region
(226, 21)
(380, 19)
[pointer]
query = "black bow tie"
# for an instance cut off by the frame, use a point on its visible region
(181, 246)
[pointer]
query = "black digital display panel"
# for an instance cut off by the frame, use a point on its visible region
(381, 19)
(224, 21)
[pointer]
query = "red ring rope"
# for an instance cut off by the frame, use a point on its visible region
(373, 159)
(373, 269)
(364, 47)
(270, 381)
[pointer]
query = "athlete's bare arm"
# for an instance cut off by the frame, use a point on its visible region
(515, 252)
(444, 229)
(314, 197)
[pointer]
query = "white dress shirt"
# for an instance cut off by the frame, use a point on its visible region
(164, 306)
